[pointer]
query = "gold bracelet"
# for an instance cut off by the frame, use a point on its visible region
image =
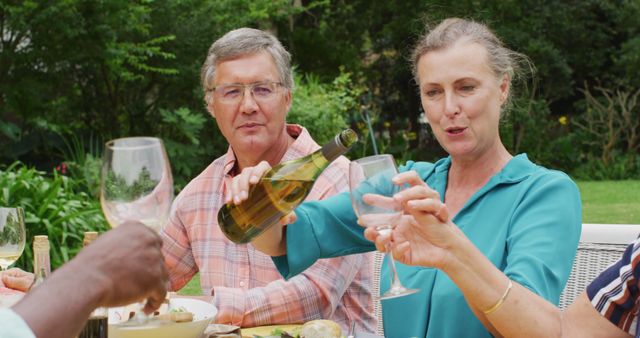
(497, 305)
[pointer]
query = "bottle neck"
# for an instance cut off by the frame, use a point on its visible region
(332, 150)
(41, 264)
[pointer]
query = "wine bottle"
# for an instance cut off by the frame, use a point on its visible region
(41, 260)
(98, 324)
(281, 189)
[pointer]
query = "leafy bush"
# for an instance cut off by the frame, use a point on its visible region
(53, 206)
(391, 137)
(610, 122)
(82, 161)
(323, 108)
(622, 168)
(181, 132)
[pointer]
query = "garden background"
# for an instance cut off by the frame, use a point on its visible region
(75, 73)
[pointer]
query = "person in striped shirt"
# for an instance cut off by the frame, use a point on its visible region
(247, 81)
(614, 294)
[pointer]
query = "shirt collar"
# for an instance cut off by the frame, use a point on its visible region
(516, 170)
(302, 145)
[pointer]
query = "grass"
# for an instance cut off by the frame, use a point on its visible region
(602, 202)
(610, 201)
(192, 288)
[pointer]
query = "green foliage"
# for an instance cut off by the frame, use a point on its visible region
(182, 131)
(82, 161)
(126, 68)
(391, 137)
(323, 108)
(52, 207)
(86, 174)
(526, 127)
(608, 134)
(11, 231)
(192, 288)
(69, 64)
(116, 187)
(622, 168)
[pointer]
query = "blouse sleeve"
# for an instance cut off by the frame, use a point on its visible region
(543, 235)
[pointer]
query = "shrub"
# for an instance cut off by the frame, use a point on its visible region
(181, 131)
(323, 108)
(82, 161)
(53, 206)
(610, 122)
(624, 167)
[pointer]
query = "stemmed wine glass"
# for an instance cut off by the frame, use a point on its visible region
(372, 175)
(136, 184)
(12, 236)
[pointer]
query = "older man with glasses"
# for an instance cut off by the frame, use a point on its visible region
(248, 82)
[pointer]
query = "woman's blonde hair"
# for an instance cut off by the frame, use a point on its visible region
(501, 59)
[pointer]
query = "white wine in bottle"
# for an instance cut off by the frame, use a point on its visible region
(282, 189)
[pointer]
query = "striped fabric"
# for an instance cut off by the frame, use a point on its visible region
(614, 293)
(248, 290)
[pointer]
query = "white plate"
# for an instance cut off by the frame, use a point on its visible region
(203, 314)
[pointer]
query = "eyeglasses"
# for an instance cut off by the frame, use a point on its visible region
(234, 93)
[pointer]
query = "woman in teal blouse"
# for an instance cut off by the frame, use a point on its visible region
(524, 218)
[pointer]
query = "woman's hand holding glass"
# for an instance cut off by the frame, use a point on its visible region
(421, 236)
(369, 183)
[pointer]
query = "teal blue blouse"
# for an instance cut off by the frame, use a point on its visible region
(526, 220)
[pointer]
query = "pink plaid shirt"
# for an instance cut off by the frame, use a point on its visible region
(247, 288)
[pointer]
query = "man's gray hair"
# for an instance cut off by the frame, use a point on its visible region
(246, 41)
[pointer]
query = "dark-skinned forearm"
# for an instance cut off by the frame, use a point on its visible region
(59, 307)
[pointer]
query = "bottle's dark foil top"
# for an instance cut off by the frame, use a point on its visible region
(347, 138)
(340, 144)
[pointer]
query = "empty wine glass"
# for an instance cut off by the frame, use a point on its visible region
(372, 175)
(136, 184)
(12, 236)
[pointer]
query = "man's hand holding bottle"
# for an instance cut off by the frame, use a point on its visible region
(271, 241)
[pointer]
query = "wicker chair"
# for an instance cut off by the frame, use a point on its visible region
(600, 246)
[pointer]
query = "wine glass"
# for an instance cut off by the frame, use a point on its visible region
(372, 175)
(136, 184)
(12, 236)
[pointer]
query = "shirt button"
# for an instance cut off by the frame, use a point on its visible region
(242, 283)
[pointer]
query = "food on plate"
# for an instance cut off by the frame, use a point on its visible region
(313, 329)
(164, 312)
(321, 328)
(222, 331)
(178, 315)
(279, 331)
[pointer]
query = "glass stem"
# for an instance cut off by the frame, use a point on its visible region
(395, 281)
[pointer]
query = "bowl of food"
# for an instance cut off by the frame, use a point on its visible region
(181, 317)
